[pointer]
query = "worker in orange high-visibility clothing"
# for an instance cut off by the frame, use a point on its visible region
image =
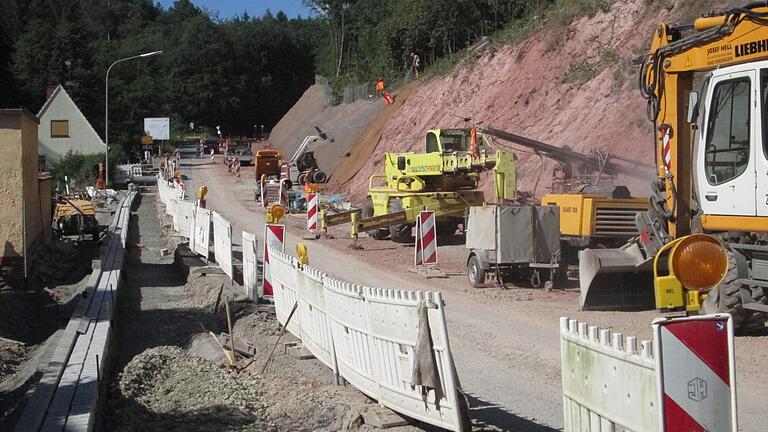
(388, 97)
(379, 86)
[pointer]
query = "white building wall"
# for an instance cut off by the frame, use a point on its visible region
(82, 137)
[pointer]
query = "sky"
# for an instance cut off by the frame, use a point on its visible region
(229, 8)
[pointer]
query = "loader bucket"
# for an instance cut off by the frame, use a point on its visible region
(615, 279)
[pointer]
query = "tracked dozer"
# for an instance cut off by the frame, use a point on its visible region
(711, 167)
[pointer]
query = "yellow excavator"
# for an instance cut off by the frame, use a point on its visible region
(705, 238)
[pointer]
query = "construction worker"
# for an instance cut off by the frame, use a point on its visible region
(388, 97)
(415, 64)
(379, 86)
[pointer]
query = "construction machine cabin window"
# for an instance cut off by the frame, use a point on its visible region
(432, 146)
(728, 135)
(454, 141)
(764, 108)
(59, 128)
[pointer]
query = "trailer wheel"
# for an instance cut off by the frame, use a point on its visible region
(475, 272)
(300, 178)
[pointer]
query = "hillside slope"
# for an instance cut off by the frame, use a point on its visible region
(342, 122)
(569, 85)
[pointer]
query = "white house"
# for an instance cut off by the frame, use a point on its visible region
(63, 128)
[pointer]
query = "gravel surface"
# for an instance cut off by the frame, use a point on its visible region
(166, 388)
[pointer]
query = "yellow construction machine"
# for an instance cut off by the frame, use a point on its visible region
(444, 180)
(705, 238)
(74, 216)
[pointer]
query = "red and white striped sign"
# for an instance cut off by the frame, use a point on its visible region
(666, 145)
(697, 376)
(426, 239)
(274, 236)
(312, 211)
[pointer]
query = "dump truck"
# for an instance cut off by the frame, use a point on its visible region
(710, 199)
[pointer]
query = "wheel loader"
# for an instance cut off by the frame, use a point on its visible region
(704, 242)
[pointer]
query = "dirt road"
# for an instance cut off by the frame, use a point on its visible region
(505, 342)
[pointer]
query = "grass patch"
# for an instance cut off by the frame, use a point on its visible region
(578, 74)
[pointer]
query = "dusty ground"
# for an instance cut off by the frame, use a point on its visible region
(505, 341)
(33, 314)
(160, 379)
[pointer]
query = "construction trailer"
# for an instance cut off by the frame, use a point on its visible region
(513, 242)
(711, 157)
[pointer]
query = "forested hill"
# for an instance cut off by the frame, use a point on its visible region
(236, 72)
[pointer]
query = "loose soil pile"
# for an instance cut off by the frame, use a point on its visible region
(166, 388)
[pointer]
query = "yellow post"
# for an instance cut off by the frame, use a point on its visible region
(323, 226)
(302, 254)
(355, 228)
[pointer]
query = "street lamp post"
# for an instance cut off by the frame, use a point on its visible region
(106, 108)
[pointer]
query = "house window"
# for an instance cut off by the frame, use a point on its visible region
(41, 164)
(59, 128)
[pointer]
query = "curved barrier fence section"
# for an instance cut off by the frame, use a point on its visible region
(390, 344)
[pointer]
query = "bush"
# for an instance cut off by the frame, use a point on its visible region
(80, 169)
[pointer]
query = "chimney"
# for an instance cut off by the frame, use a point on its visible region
(49, 91)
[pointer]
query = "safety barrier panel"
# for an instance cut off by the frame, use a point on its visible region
(201, 234)
(392, 345)
(66, 398)
(283, 277)
(185, 212)
(250, 265)
(222, 243)
(610, 382)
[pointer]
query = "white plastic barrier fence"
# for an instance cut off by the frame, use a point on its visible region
(314, 323)
(201, 235)
(184, 213)
(250, 264)
(170, 209)
(222, 243)
(371, 337)
(283, 281)
(610, 382)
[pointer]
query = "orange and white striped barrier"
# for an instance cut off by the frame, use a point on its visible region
(274, 236)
